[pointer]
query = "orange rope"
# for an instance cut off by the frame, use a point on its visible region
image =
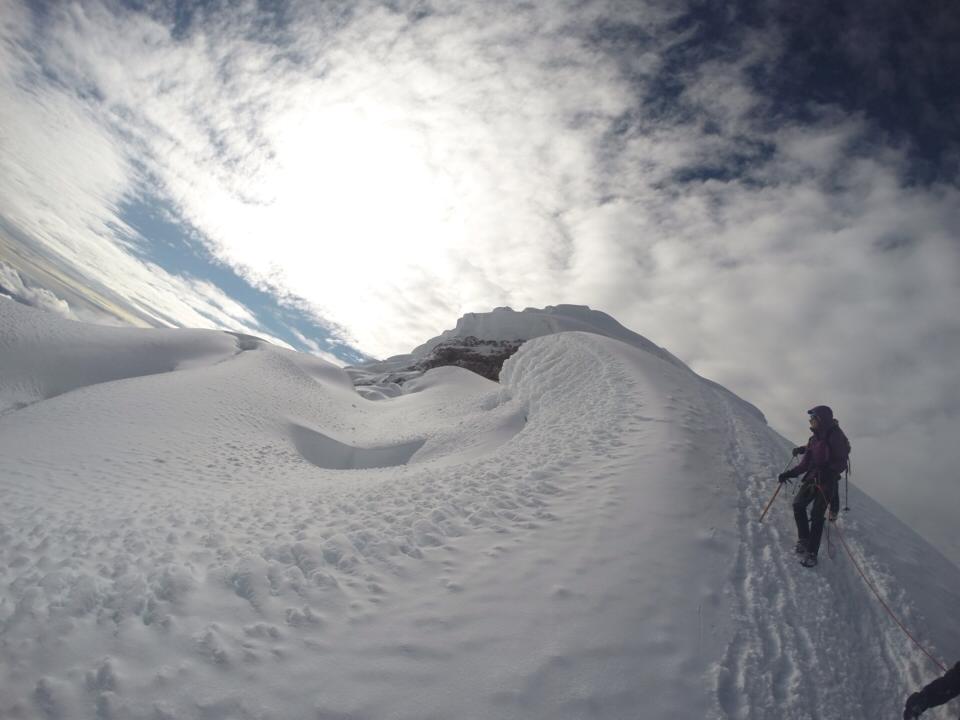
(879, 597)
(831, 553)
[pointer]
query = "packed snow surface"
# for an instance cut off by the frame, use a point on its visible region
(201, 525)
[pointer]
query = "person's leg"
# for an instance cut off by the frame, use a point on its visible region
(820, 502)
(800, 503)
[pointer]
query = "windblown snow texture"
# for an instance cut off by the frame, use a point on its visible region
(201, 525)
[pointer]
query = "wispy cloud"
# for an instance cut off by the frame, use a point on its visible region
(355, 167)
(74, 154)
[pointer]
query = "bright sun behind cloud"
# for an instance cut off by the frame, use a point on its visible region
(354, 176)
(351, 198)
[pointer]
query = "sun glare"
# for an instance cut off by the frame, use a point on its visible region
(348, 181)
(357, 200)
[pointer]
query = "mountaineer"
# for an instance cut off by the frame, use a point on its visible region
(825, 457)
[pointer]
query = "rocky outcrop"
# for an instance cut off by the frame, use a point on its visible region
(484, 357)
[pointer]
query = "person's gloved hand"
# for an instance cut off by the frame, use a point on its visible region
(914, 707)
(832, 517)
(799, 450)
(783, 477)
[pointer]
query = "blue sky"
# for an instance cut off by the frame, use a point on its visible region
(768, 189)
(159, 239)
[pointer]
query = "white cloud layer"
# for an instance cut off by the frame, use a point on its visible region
(397, 169)
(12, 285)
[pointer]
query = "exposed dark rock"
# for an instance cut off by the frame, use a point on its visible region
(484, 357)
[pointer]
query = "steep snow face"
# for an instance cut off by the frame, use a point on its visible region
(235, 532)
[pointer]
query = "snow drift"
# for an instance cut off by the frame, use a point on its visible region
(196, 525)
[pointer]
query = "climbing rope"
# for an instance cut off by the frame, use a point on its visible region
(831, 551)
(876, 592)
(873, 588)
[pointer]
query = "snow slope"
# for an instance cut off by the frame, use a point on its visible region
(196, 525)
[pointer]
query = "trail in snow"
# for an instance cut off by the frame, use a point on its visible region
(809, 644)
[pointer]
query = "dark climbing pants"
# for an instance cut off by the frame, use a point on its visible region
(822, 494)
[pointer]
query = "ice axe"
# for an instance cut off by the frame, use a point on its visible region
(775, 492)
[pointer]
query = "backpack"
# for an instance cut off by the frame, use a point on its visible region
(844, 443)
(848, 467)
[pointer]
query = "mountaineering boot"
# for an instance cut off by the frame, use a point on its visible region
(801, 547)
(809, 560)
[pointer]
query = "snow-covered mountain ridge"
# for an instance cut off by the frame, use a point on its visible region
(196, 525)
(483, 341)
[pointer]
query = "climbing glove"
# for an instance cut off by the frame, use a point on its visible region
(914, 707)
(799, 450)
(783, 477)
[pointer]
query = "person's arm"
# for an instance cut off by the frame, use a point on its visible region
(943, 689)
(801, 467)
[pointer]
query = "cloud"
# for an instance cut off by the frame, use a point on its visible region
(396, 147)
(12, 285)
(818, 272)
(67, 166)
(315, 348)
